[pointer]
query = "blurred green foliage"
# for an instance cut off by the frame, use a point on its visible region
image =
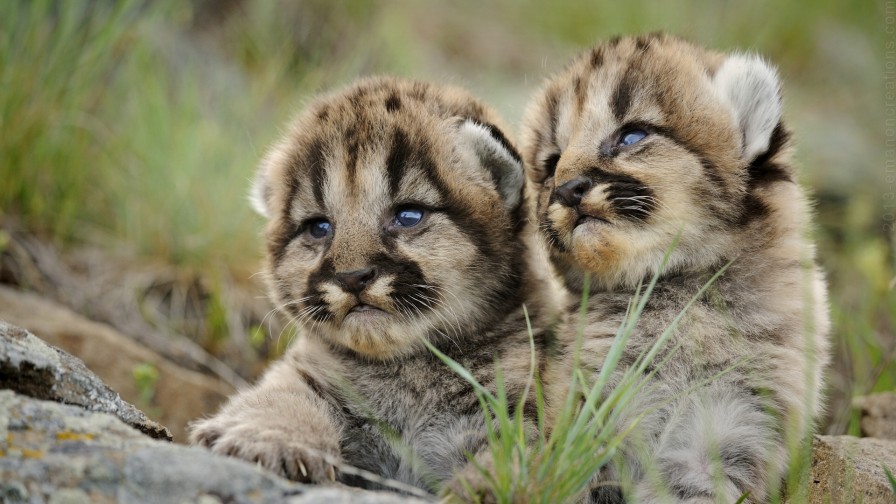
(136, 125)
(146, 376)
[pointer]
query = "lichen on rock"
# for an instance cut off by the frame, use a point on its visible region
(32, 368)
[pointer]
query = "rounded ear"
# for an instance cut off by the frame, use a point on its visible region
(259, 191)
(498, 156)
(752, 88)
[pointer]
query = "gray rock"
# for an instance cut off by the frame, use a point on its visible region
(56, 453)
(31, 367)
(178, 395)
(878, 415)
(847, 469)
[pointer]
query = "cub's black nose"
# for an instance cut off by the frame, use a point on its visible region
(356, 281)
(570, 193)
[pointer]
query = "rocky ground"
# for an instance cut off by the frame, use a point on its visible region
(67, 437)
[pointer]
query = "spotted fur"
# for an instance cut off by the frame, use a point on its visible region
(646, 140)
(359, 387)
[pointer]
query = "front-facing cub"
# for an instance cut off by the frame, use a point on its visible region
(394, 219)
(649, 144)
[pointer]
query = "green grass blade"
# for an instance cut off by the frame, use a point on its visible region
(890, 478)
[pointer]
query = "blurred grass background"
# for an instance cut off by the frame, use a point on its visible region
(133, 127)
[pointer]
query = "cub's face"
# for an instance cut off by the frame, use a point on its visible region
(642, 141)
(393, 217)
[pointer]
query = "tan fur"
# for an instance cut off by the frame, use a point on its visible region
(359, 387)
(714, 173)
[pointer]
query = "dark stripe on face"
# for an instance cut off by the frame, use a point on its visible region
(550, 165)
(455, 208)
(625, 90)
(552, 104)
(580, 84)
(630, 197)
(352, 146)
(551, 234)
(710, 170)
(489, 259)
(477, 233)
(398, 159)
(325, 273)
(407, 293)
(278, 241)
(315, 160)
(532, 163)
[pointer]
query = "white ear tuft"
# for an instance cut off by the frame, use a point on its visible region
(499, 156)
(259, 191)
(752, 88)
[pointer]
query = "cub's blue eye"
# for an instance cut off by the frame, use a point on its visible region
(631, 137)
(320, 228)
(408, 216)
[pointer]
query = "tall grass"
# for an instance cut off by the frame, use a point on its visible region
(557, 459)
(55, 58)
(123, 125)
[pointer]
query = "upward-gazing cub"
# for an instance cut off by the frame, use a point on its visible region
(395, 217)
(646, 139)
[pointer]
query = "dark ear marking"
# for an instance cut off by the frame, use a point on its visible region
(763, 170)
(500, 138)
(778, 141)
(498, 156)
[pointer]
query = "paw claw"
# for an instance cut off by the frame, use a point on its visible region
(283, 451)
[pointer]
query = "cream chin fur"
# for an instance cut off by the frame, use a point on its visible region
(753, 89)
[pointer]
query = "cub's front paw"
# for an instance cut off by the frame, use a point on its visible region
(301, 455)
